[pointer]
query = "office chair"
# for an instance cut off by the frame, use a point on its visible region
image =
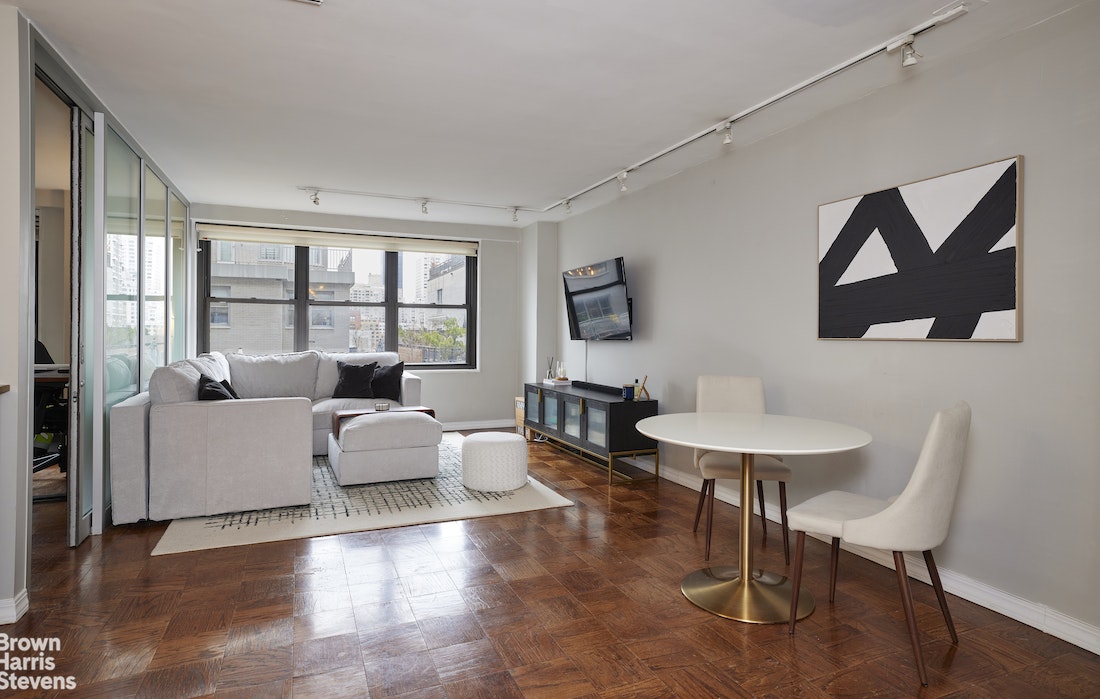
(51, 417)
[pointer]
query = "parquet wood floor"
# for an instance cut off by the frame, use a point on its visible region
(572, 602)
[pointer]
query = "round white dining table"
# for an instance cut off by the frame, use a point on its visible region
(762, 597)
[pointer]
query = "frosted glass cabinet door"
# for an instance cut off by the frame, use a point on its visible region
(550, 411)
(531, 405)
(597, 425)
(572, 423)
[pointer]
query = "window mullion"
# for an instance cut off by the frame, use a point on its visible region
(391, 274)
(301, 298)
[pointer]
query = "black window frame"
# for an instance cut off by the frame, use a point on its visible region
(303, 305)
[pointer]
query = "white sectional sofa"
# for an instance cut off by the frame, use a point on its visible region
(175, 456)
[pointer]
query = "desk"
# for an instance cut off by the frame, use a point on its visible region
(50, 384)
(763, 597)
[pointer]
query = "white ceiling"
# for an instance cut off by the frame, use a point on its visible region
(514, 103)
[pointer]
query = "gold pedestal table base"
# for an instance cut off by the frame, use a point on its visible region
(765, 599)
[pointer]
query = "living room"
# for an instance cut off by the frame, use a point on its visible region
(722, 270)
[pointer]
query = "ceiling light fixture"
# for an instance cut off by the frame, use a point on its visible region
(316, 197)
(909, 55)
(314, 190)
(515, 215)
(904, 42)
(726, 129)
(943, 15)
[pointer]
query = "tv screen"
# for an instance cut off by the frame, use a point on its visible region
(597, 302)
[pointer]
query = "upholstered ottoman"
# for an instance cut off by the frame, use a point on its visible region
(493, 461)
(380, 447)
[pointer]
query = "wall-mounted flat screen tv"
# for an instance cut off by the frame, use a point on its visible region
(597, 302)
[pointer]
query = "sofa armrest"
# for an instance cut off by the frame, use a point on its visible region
(128, 437)
(410, 389)
(211, 457)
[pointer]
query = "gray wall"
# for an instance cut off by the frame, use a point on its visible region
(721, 262)
(16, 280)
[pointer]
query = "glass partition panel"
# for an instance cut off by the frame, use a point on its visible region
(122, 271)
(154, 311)
(177, 303)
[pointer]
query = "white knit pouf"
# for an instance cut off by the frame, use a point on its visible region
(494, 461)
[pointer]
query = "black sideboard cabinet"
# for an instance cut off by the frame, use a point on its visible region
(594, 422)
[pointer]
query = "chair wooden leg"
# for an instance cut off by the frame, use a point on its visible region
(783, 516)
(796, 578)
(834, 554)
(763, 519)
(910, 615)
(710, 520)
(707, 484)
(934, 574)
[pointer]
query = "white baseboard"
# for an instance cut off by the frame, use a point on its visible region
(479, 425)
(13, 608)
(1036, 615)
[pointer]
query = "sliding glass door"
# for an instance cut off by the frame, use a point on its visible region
(83, 336)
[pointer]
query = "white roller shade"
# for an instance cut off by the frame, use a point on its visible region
(368, 241)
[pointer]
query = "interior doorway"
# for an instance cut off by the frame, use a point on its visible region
(52, 292)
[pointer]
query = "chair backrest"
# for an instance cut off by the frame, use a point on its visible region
(729, 394)
(919, 518)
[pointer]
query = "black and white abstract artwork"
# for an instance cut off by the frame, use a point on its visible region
(936, 259)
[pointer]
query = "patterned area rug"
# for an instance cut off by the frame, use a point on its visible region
(337, 510)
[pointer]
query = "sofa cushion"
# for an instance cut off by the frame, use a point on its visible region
(326, 367)
(354, 380)
(386, 382)
(390, 431)
(213, 364)
(323, 409)
(174, 383)
(273, 375)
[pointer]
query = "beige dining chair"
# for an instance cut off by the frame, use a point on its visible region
(736, 394)
(915, 520)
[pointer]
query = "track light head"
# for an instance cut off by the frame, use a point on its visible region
(621, 177)
(568, 206)
(909, 56)
(424, 206)
(515, 215)
(316, 197)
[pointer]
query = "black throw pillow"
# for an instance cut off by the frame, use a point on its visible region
(209, 389)
(354, 380)
(228, 387)
(387, 381)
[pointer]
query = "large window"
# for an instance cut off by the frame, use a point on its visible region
(262, 297)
